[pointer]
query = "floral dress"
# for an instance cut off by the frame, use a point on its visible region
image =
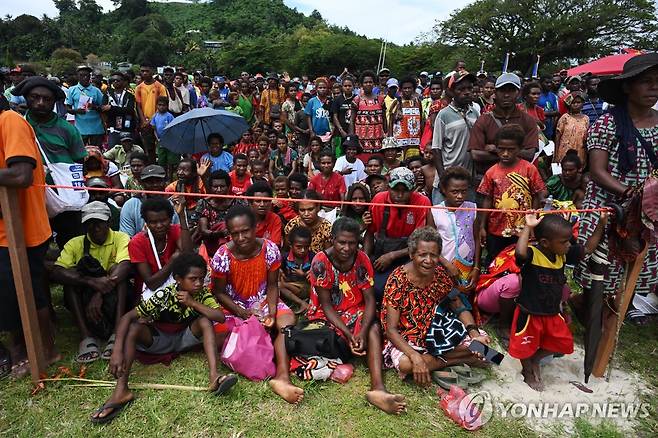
(602, 136)
(369, 123)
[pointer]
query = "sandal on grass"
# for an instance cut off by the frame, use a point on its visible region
(107, 352)
(5, 362)
(88, 351)
(225, 383)
(445, 379)
(116, 410)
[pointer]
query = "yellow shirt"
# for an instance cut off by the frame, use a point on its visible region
(146, 97)
(113, 251)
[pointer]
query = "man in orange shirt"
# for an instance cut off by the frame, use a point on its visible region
(21, 168)
(146, 97)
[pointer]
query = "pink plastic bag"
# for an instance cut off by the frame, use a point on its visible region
(248, 350)
(459, 409)
(342, 373)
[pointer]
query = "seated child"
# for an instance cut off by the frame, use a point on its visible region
(259, 172)
(240, 176)
(511, 184)
(280, 205)
(293, 283)
(185, 303)
(538, 328)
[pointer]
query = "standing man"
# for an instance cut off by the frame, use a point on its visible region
(383, 75)
(176, 104)
(60, 143)
(21, 168)
(548, 101)
(146, 96)
(179, 78)
(593, 107)
(85, 102)
(121, 115)
(452, 130)
(481, 143)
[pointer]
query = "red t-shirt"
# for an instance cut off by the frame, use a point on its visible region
(270, 228)
(285, 210)
(510, 188)
(140, 251)
(330, 189)
(239, 187)
(401, 221)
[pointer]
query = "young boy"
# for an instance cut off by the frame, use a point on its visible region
(280, 205)
(186, 303)
(258, 171)
(375, 165)
(511, 184)
(240, 177)
(328, 183)
(294, 284)
(160, 120)
(538, 329)
(349, 165)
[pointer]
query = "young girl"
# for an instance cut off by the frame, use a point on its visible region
(569, 185)
(293, 282)
(571, 130)
(358, 192)
(329, 184)
(283, 160)
(459, 229)
(531, 92)
(311, 162)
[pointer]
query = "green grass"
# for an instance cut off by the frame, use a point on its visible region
(251, 410)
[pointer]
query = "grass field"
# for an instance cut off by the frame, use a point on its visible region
(251, 410)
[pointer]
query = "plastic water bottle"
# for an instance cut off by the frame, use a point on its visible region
(548, 203)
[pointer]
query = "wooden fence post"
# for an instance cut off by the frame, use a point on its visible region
(11, 215)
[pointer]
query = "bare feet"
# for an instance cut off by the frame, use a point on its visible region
(287, 391)
(22, 367)
(387, 402)
(116, 399)
(532, 380)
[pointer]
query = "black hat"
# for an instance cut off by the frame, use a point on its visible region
(23, 88)
(610, 90)
(352, 140)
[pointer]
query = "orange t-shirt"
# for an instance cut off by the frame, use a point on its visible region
(146, 97)
(18, 144)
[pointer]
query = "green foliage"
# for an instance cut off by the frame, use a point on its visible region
(556, 29)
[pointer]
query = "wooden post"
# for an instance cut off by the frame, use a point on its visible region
(11, 214)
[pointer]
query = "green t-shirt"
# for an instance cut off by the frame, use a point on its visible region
(163, 306)
(60, 140)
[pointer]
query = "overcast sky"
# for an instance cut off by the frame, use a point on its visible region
(399, 21)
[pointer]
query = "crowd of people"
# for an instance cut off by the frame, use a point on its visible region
(350, 199)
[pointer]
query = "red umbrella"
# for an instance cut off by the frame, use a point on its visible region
(608, 65)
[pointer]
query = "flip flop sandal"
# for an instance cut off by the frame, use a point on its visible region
(636, 317)
(5, 362)
(20, 369)
(445, 379)
(107, 352)
(116, 410)
(467, 374)
(225, 383)
(88, 351)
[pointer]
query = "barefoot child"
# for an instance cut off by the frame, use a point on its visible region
(538, 328)
(185, 303)
(293, 283)
(342, 294)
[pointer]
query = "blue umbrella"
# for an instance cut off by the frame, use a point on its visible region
(188, 133)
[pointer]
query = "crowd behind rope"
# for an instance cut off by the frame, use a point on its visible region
(147, 276)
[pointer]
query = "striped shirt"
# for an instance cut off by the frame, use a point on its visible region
(452, 130)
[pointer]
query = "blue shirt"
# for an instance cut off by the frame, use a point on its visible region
(319, 116)
(223, 161)
(160, 121)
(89, 123)
(593, 110)
(548, 101)
(130, 221)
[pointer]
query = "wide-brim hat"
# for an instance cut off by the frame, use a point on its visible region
(26, 85)
(611, 91)
(390, 143)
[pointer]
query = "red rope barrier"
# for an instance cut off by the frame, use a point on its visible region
(337, 203)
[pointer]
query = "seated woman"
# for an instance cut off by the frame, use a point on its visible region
(411, 296)
(190, 180)
(153, 250)
(342, 294)
(570, 185)
(309, 208)
(246, 273)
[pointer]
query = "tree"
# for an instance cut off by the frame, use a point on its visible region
(65, 6)
(64, 61)
(555, 29)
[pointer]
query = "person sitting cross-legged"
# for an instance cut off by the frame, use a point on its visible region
(185, 303)
(94, 270)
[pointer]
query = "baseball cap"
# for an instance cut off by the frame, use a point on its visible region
(351, 140)
(259, 76)
(126, 136)
(384, 70)
(459, 76)
(153, 171)
(84, 68)
(508, 78)
(96, 210)
(392, 83)
(219, 79)
(97, 182)
(401, 175)
(573, 78)
(424, 73)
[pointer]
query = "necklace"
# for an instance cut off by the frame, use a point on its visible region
(165, 245)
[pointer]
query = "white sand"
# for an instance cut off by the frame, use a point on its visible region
(623, 388)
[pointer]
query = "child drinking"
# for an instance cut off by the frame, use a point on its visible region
(459, 229)
(185, 304)
(293, 283)
(538, 329)
(511, 184)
